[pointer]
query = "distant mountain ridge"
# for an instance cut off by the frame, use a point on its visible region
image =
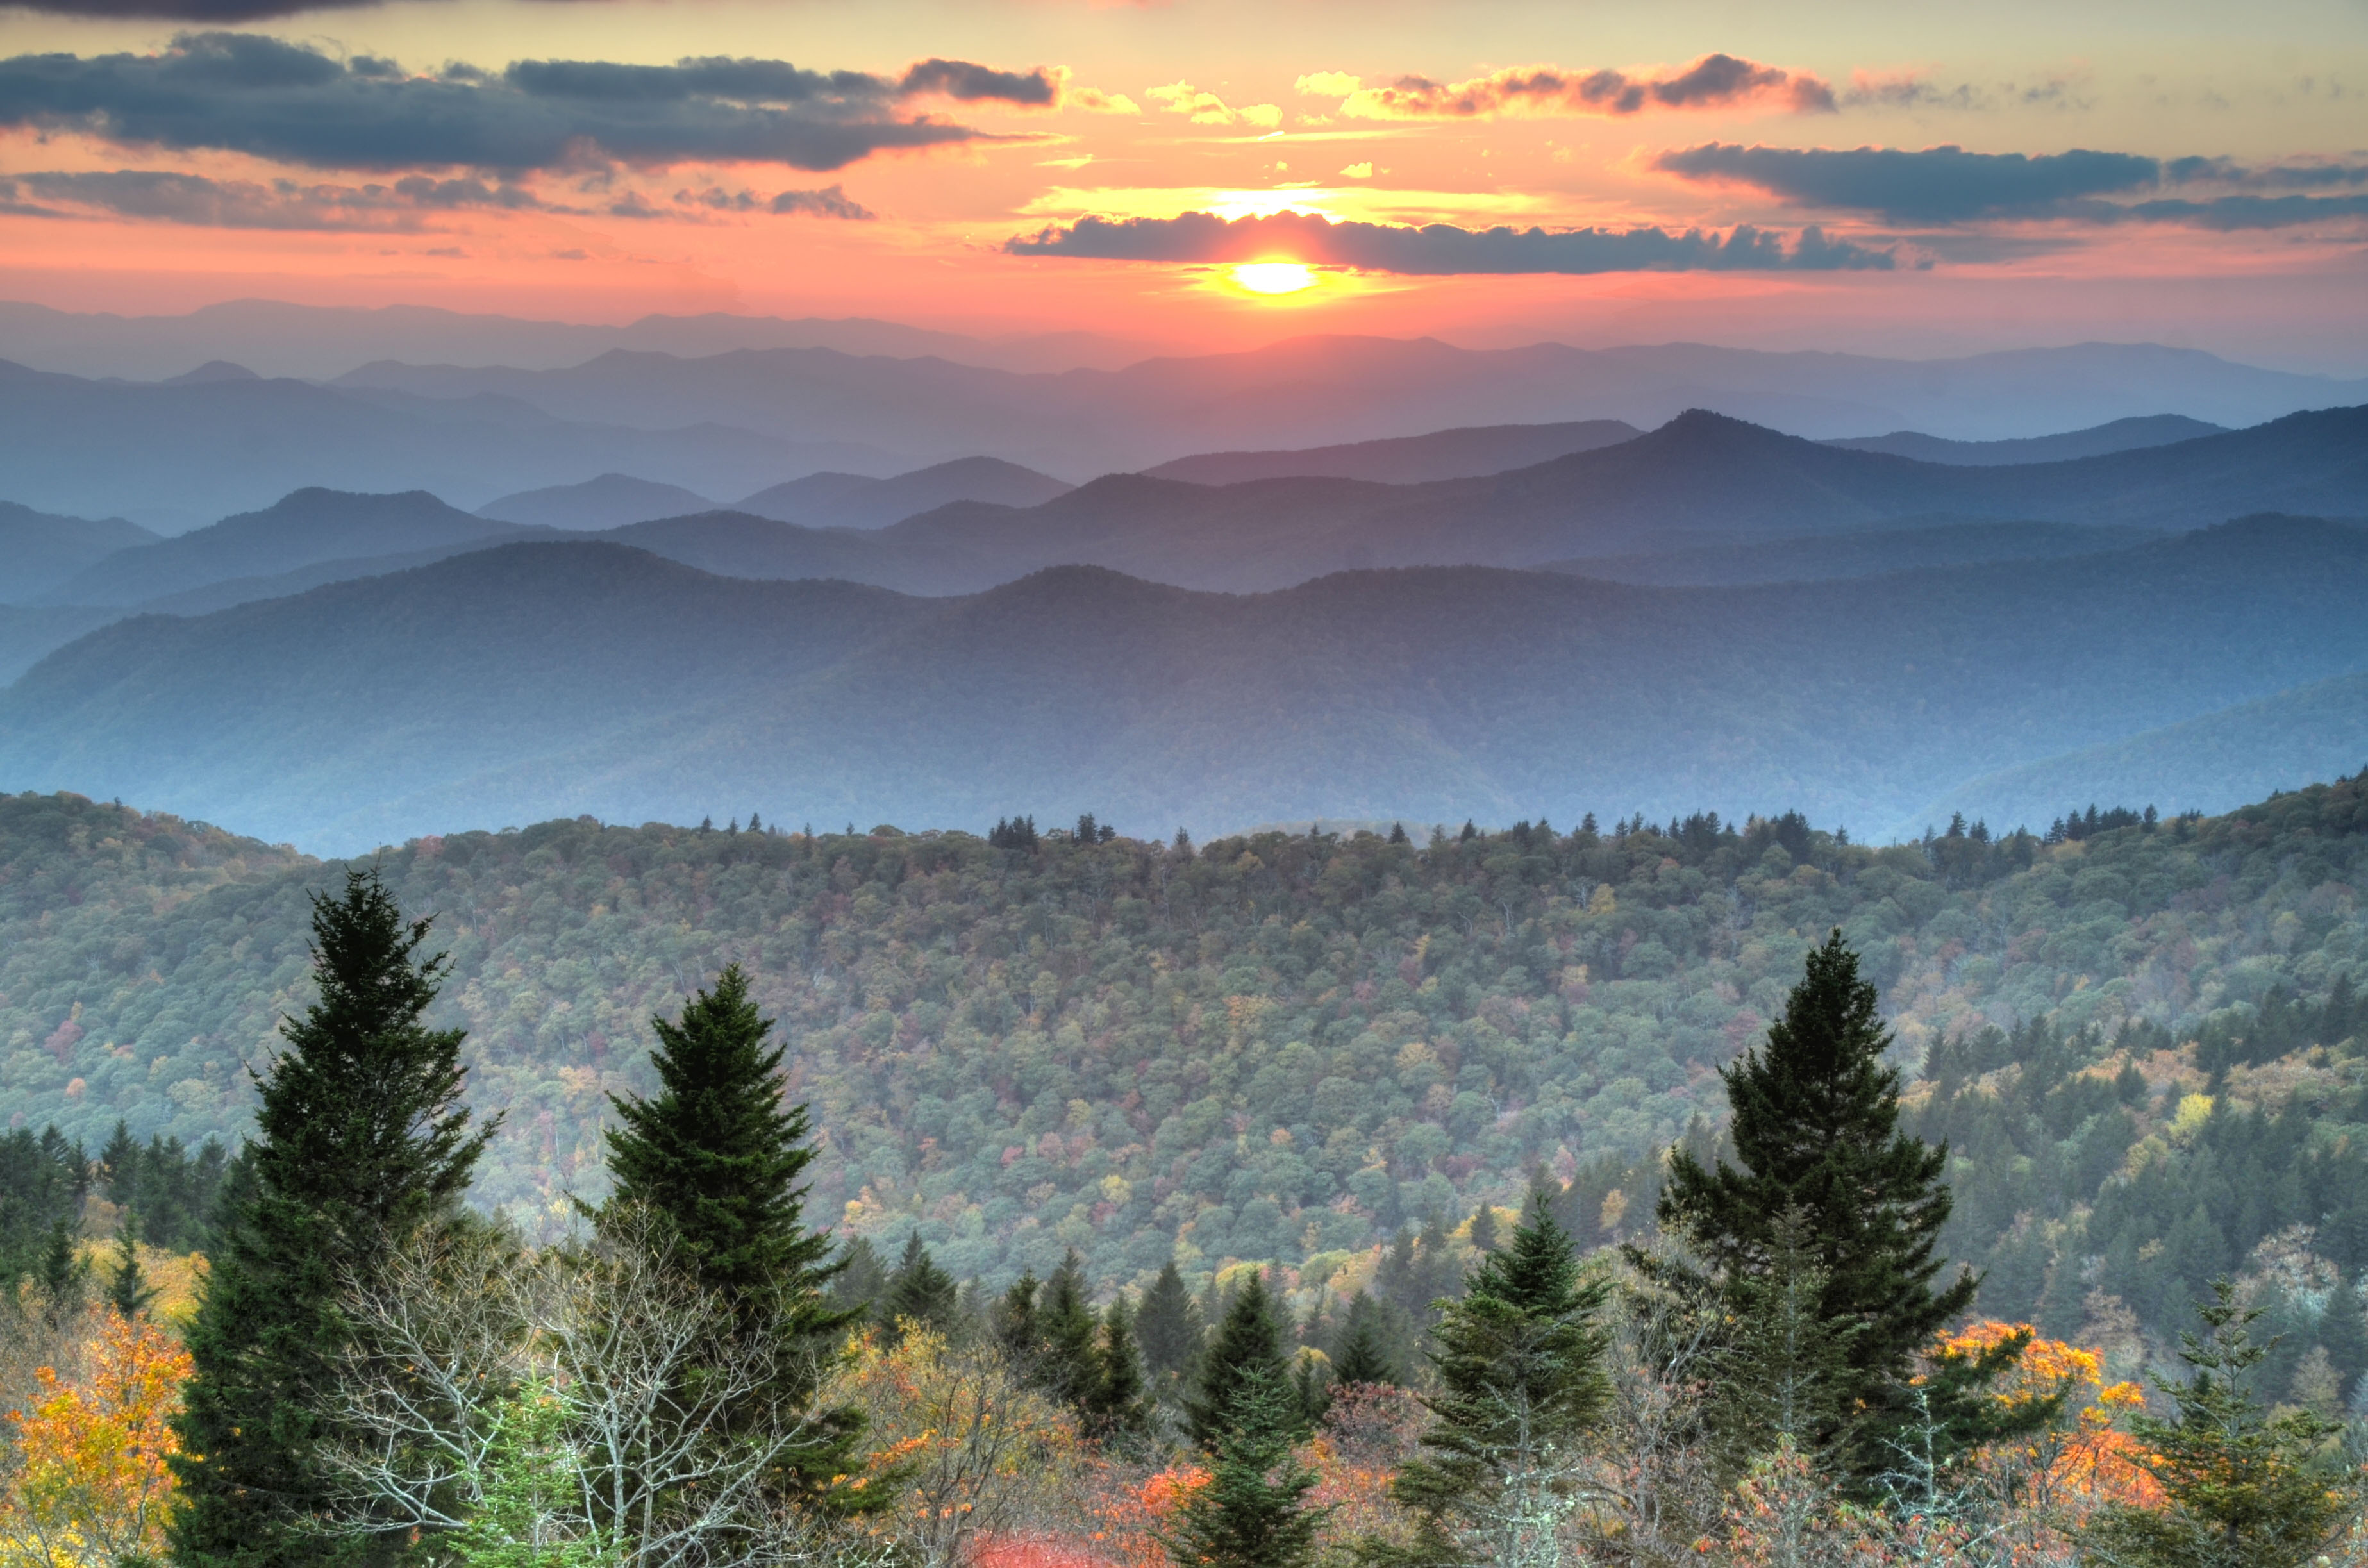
(541, 679)
(852, 500)
(1407, 460)
(612, 500)
(2118, 436)
(40, 550)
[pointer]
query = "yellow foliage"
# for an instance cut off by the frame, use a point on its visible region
(93, 1487)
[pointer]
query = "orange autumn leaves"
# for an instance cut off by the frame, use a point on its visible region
(92, 1485)
(2088, 1460)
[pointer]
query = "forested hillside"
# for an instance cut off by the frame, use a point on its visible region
(1282, 1046)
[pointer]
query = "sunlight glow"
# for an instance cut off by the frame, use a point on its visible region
(1273, 277)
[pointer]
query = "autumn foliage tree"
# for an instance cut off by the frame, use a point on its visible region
(93, 1485)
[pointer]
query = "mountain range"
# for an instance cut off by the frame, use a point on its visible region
(537, 679)
(222, 439)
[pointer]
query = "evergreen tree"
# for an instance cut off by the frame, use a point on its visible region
(1784, 1367)
(1067, 1361)
(2243, 1490)
(862, 1279)
(1253, 1513)
(1114, 1407)
(121, 1159)
(1167, 1327)
(359, 1139)
(1248, 1340)
(1484, 1229)
(1816, 1130)
(127, 1290)
(919, 1292)
(1014, 1326)
(1362, 1354)
(1521, 1379)
(61, 1275)
(719, 1156)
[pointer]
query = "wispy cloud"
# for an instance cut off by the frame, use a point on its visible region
(1208, 108)
(1444, 250)
(1716, 81)
(246, 93)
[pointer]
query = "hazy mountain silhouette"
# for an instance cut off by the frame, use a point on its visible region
(851, 501)
(2117, 436)
(305, 527)
(534, 681)
(1816, 557)
(1407, 460)
(1320, 391)
(2210, 764)
(40, 550)
(180, 455)
(320, 341)
(610, 501)
(30, 633)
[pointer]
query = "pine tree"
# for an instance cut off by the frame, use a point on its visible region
(1253, 1513)
(1362, 1356)
(1248, 1340)
(121, 1160)
(61, 1276)
(127, 1290)
(1015, 1328)
(1817, 1129)
(1484, 1229)
(1114, 1407)
(1783, 1370)
(862, 1279)
(1067, 1364)
(360, 1138)
(2243, 1490)
(1520, 1374)
(919, 1292)
(1167, 1328)
(719, 1156)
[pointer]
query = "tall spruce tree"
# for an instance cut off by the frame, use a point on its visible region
(1816, 1132)
(1115, 1408)
(1168, 1326)
(1520, 1380)
(1253, 1513)
(359, 1139)
(920, 1293)
(718, 1155)
(862, 1279)
(1248, 1340)
(1361, 1355)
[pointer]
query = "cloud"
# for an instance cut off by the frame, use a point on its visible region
(403, 206)
(1093, 100)
(1359, 171)
(966, 82)
(1716, 81)
(245, 93)
(1208, 108)
(203, 12)
(830, 201)
(1937, 184)
(1440, 249)
(1949, 184)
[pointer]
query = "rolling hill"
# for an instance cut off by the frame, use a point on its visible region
(1869, 553)
(540, 679)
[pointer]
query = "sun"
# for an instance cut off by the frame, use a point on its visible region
(1274, 276)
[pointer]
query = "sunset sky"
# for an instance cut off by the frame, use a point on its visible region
(1904, 178)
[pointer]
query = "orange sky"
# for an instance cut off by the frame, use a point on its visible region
(1239, 109)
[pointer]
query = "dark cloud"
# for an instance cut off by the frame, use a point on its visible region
(961, 80)
(1716, 81)
(213, 13)
(1937, 184)
(1439, 249)
(245, 93)
(1949, 184)
(401, 205)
